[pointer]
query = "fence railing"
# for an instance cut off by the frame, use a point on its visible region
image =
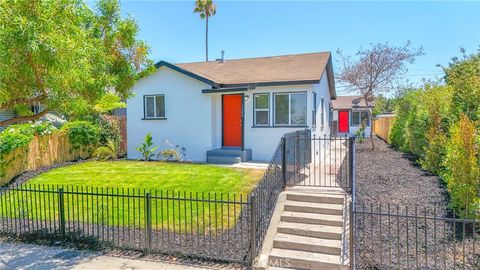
(203, 225)
(222, 227)
(397, 237)
(319, 161)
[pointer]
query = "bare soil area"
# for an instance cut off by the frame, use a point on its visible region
(387, 176)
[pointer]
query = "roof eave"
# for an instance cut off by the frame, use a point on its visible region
(185, 72)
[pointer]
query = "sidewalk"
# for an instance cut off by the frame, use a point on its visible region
(25, 256)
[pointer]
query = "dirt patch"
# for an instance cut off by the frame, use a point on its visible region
(402, 219)
(387, 176)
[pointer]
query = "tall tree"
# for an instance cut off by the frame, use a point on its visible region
(65, 56)
(375, 70)
(205, 8)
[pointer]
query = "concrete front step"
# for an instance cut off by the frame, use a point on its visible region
(310, 230)
(302, 243)
(315, 208)
(224, 159)
(316, 198)
(308, 218)
(304, 260)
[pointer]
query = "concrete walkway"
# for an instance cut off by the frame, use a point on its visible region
(25, 256)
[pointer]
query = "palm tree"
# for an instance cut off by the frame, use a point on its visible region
(205, 8)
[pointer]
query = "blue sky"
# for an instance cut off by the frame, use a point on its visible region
(255, 28)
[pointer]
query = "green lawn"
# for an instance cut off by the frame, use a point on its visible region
(185, 182)
(154, 175)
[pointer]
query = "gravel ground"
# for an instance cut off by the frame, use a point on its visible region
(409, 236)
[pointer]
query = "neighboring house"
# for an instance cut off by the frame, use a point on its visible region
(232, 110)
(5, 115)
(348, 114)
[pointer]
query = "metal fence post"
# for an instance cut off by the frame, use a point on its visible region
(61, 209)
(351, 161)
(253, 229)
(352, 236)
(284, 161)
(148, 222)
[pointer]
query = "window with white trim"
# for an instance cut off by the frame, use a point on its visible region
(290, 109)
(359, 117)
(261, 109)
(154, 106)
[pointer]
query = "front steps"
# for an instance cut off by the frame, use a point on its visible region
(309, 232)
(228, 155)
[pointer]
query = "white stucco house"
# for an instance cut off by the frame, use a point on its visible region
(348, 113)
(228, 111)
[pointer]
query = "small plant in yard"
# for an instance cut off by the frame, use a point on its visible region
(146, 148)
(360, 134)
(175, 153)
(109, 151)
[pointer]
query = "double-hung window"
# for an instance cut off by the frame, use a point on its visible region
(261, 109)
(359, 117)
(290, 109)
(154, 106)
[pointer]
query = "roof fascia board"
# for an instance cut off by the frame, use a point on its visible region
(330, 78)
(271, 83)
(224, 90)
(183, 71)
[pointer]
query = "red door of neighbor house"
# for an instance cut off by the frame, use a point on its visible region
(343, 121)
(232, 120)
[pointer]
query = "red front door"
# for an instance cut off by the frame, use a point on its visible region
(232, 120)
(343, 121)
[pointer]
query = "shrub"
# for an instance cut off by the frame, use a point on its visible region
(462, 165)
(175, 153)
(437, 102)
(108, 130)
(17, 137)
(146, 149)
(109, 151)
(83, 135)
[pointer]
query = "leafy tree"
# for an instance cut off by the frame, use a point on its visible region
(206, 8)
(383, 105)
(374, 70)
(65, 56)
(464, 76)
(108, 103)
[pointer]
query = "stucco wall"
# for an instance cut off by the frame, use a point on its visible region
(264, 140)
(188, 112)
(194, 120)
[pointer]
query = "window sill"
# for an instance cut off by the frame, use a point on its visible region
(156, 118)
(279, 126)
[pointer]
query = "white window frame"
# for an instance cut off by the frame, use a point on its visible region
(359, 118)
(255, 110)
(289, 109)
(155, 116)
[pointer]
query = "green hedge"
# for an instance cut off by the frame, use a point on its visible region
(440, 125)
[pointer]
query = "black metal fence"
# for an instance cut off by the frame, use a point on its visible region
(222, 227)
(203, 225)
(397, 237)
(319, 161)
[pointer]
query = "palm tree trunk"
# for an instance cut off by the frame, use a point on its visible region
(206, 39)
